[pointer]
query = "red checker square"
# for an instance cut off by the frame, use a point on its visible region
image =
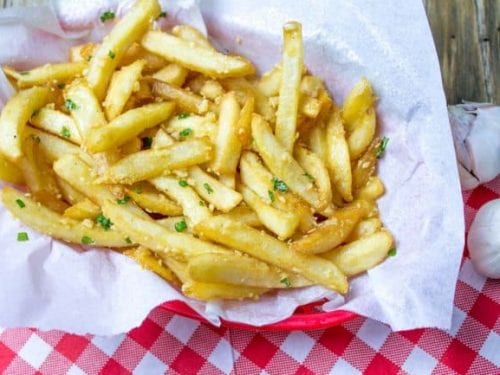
(260, 350)
(396, 348)
(6, 357)
(188, 362)
(243, 365)
(91, 360)
(430, 338)
(160, 316)
(465, 296)
(485, 310)
(413, 335)
(480, 196)
(276, 364)
(20, 366)
(458, 357)
(490, 289)
(113, 368)
(146, 334)
(483, 366)
(71, 346)
(55, 360)
(336, 339)
(302, 370)
(442, 369)
(129, 354)
(358, 354)
(166, 347)
(472, 333)
(320, 360)
(204, 340)
(381, 365)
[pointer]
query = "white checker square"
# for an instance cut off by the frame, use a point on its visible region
(297, 345)
(344, 368)
(35, 351)
(75, 370)
(491, 348)
(469, 276)
(150, 364)
(108, 344)
(222, 356)
(182, 328)
(419, 362)
(373, 333)
(457, 320)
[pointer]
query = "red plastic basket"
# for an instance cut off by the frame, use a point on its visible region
(306, 317)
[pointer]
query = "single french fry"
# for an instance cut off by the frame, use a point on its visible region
(194, 57)
(14, 117)
(244, 214)
(190, 34)
(213, 191)
(317, 142)
(357, 102)
(240, 269)
(192, 126)
(244, 125)
(83, 106)
(227, 144)
(172, 222)
(373, 189)
(148, 164)
(121, 87)
(52, 73)
(127, 126)
(282, 164)
(57, 226)
(362, 133)
(365, 166)
(186, 100)
(55, 147)
(338, 160)
(85, 209)
(173, 74)
(269, 83)
(147, 259)
(364, 228)
(57, 123)
(361, 255)
(185, 196)
(282, 223)
(152, 200)
(9, 172)
(286, 117)
(210, 291)
(129, 29)
(268, 249)
(331, 232)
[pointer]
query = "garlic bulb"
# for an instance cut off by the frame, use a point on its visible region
(484, 240)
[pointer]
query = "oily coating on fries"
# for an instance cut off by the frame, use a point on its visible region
(227, 185)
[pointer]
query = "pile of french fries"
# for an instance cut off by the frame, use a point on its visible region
(228, 185)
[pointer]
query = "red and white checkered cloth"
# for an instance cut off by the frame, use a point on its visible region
(167, 343)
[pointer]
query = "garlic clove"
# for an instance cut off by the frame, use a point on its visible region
(484, 240)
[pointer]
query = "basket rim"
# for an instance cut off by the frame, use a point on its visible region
(302, 321)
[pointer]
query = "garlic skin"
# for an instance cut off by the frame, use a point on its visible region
(484, 240)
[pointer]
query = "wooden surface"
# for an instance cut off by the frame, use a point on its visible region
(467, 37)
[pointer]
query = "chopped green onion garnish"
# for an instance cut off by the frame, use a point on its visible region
(20, 203)
(279, 185)
(65, 132)
(381, 147)
(286, 281)
(24, 73)
(201, 203)
(183, 183)
(183, 115)
(137, 190)
(111, 54)
(70, 105)
(22, 236)
(146, 143)
(103, 221)
(128, 240)
(208, 188)
(271, 195)
(124, 200)
(108, 15)
(180, 226)
(162, 15)
(86, 240)
(186, 132)
(392, 252)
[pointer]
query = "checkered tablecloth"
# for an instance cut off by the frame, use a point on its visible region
(167, 343)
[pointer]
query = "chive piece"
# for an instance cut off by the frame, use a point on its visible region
(201, 203)
(392, 252)
(137, 190)
(186, 132)
(162, 15)
(183, 115)
(108, 15)
(111, 54)
(208, 188)
(128, 240)
(279, 185)
(124, 200)
(70, 105)
(103, 221)
(311, 178)
(20, 203)
(24, 73)
(146, 143)
(271, 195)
(286, 281)
(86, 240)
(180, 226)
(22, 236)
(65, 132)
(89, 58)
(381, 147)
(183, 183)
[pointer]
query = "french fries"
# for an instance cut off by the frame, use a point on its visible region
(226, 184)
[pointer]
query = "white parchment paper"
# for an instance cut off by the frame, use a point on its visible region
(48, 285)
